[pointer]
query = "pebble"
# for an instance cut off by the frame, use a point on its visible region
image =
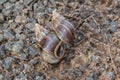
(30, 26)
(12, 1)
(2, 52)
(21, 76)
(1, 37)
(18, 46)
(1, 77)
(110, 75)
(113, 26)
(6, 12)
(13, 25)
(76, 72)
(32, 51)
(8, 45)
(39, 78)
(22, 56)
(7, 63)
(21, 19)
(8, 5)
(2, 1)
(26, 2)
(20, 36)
(34, 61)
(8, 35)
(95, 59)
(26, 67)
(1, 17)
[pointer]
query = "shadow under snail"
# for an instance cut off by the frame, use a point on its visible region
(50, 42)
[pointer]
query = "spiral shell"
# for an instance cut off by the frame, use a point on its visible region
(63, 28)
(50, 44)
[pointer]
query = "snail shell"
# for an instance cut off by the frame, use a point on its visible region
(63, 28)
(50, 44)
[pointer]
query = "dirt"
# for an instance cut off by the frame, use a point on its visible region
(94, 55)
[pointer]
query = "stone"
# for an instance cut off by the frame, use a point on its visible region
(1, 37)
(2, 51)
(7, 63)
(1, 77)
(20, 36)
(8, 35)
(21, 19)
(30, 26)
(113, 26)
(39, 78)
(8, 45)
(18, 46)
(1, 17)
(26, 2)
(26, 67)
(2, 1)
(32, 51)
(12, 1)
(22, 56)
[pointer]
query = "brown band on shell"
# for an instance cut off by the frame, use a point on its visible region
(68, 25)
(64, 34)
(51, 42)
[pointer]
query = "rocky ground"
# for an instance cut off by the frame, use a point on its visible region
(95, 54)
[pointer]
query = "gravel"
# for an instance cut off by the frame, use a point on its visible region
(21, 19)
(32, 51)
(113, 26)
(1, 37)
(17, 46)
(1, 17)
(2, 1)
(8, 35)
(7, 63)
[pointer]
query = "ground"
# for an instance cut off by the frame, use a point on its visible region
(94, 55)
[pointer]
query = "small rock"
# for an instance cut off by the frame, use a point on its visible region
(18, 46)
(21, 19)
(114, 26)
(7, 63)
(26, 2)
(8, 46)
(32, 51)
(34, 61)
(76, 72)
(2, 1)
(21, 76)
(1, 77)
(6, 12)
(12, 1)
(8, 5)
(8, 35)
(2, 52)
(30, 26)
(39, 78)
(1, 17)
(1, 37)
(95, 59)
(110, 75)
(26, 67)
(22, 56)
(13, 25)
(20, 36)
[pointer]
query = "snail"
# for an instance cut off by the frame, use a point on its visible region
(50, 44)
(63, 28)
